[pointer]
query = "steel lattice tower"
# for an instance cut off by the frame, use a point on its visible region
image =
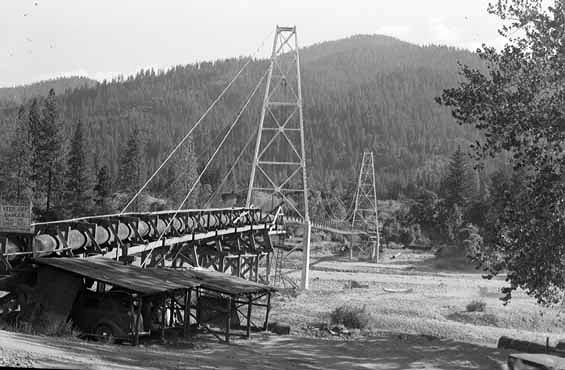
(365, 214)
(279, 162)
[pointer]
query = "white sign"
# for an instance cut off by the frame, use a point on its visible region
(15, 218)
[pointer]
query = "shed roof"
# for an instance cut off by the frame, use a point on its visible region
(153, 280)
(137, 279)
(220, 282)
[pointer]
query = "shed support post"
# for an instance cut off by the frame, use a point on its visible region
(198, 307)
(266, 324)
(268, 268)
(172, 311)
(248, 331)
(136, 329)
(228, 319)
(163, 318)
(186, 321)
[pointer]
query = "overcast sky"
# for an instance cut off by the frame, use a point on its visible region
(42, 39)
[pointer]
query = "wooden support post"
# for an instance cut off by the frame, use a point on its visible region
(222, 262)
(136, 329)
(172, 311)
(239, 265)
(186, 321)
(163, 318)
(266, 324)
(374, 251)
(228, 319)
(124, 256)
(144, 256)
(250, 304)
(351, 246)
(198, 307)
(306, 255)
(268, 268)
(256, 272)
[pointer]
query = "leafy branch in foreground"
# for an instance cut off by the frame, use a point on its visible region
(517, 103)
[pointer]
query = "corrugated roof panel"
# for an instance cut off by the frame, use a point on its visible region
(156, 279)
(144, 281)
(222, 282)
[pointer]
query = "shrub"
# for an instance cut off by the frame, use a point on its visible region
(476, 306)
(58, 329)
(351, 317)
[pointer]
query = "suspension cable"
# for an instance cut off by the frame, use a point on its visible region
(222, 183)
(195, 125)
(236, 120)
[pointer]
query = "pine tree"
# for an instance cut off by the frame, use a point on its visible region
(78, 194)
(16, 162)
(457, 187)
(46, 155)
(34, 121)
(102, 189)
(129, 174)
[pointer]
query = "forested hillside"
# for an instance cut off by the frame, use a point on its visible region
(19, 94)
(360, 93)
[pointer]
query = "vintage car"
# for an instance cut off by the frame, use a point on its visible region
(108, 316)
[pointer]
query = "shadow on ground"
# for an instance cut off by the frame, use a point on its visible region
(389, 351)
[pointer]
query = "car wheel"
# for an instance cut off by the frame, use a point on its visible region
(105, 333)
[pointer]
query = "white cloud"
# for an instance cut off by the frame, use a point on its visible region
(441, 33)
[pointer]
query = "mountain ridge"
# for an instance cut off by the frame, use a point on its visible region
(362, 93)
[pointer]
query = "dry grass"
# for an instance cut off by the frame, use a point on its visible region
(48, 328)
(436, 306)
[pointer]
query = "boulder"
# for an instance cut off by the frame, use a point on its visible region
(279, 328)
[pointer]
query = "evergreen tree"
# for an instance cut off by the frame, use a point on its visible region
(457, 187)
(46, 158)
(129, 174)
(36, 165)
(78, 196)
(102, 189)
(16, 162)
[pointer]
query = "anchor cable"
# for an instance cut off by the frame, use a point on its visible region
(251, 58)
(236, 120)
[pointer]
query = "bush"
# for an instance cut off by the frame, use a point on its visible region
(59, 329)
(43, 327)
(476, 306)
(351, 317)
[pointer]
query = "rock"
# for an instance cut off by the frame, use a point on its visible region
(279, 328)
(429, 337)
(356, 284)
(338, 328)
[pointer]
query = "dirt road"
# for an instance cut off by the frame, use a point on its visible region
(452, 339)
(388, 351)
